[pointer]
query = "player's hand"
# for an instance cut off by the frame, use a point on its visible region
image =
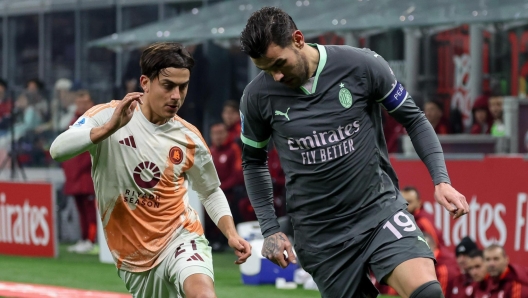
(242, 248)
(124, 111)
(274, 247)
(451, 199)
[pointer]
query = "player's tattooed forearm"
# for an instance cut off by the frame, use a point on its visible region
(272, 245)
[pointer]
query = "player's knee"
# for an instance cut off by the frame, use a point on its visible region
(429, 289)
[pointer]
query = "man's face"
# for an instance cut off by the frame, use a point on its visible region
(32, 87)
(480, 116)
(476, 269)
(230, 116)
(287, 65)
(432, 112)
(462, 261)
(496, 261)
(83, 103)
(412, 199)
(495, 107)
(167, 91)
(218, 134)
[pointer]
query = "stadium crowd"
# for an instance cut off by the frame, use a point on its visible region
(33, 119)
(469, 271)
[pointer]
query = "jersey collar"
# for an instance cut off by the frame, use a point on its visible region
(320, 66)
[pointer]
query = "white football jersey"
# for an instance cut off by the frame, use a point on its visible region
(141, 174)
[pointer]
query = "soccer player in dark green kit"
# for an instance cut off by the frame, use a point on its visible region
(321, 107)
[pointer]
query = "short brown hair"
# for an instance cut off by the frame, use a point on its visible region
(496, 246)
(162, 55)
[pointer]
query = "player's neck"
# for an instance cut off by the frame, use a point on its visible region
(151, 116)
(312, 54)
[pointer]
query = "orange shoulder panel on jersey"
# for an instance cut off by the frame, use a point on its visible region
(98, 108)
(193, 129)
(189, 154)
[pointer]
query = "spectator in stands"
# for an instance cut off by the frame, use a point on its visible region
(495, 107)
(227, 158)
(5, 106)
(231, 118)
(477, 272)
(424, 220)
(462, 284)
(462, 251)
(35, 93)
(434, 112)
(504, 280)
(26, 119)
(481, 116)
(476, 267)
(445, 264)
(63, 108)
(79, 184)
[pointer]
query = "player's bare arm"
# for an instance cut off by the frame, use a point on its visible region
(122, 115)
(447, 196)
(240, 245)
(274, 247)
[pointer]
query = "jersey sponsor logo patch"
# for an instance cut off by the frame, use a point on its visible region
(395, 98)
(149, 171)
(327, 145)
(176, 155)
(128, 141)
(345, 97)
(80, 122)
(285, 114)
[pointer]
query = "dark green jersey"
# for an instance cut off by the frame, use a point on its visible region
(330, 141)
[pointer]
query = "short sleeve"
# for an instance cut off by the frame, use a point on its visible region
(255, 131)
(383, 85)
(203, 176)
(96, 116)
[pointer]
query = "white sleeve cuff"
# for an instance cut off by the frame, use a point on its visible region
(216, 205)
(70, 143)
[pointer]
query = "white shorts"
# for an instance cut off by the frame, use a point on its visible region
(191, 256)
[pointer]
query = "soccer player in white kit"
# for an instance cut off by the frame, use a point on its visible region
(144, 157)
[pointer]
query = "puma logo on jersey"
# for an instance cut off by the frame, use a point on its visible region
(279, 113)
(128, 141)
(422, 239)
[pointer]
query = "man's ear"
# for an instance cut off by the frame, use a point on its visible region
(298, 39)
(144, 82)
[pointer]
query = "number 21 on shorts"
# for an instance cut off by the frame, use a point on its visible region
(407, 224)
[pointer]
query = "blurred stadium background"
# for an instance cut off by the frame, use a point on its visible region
(452, 56)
